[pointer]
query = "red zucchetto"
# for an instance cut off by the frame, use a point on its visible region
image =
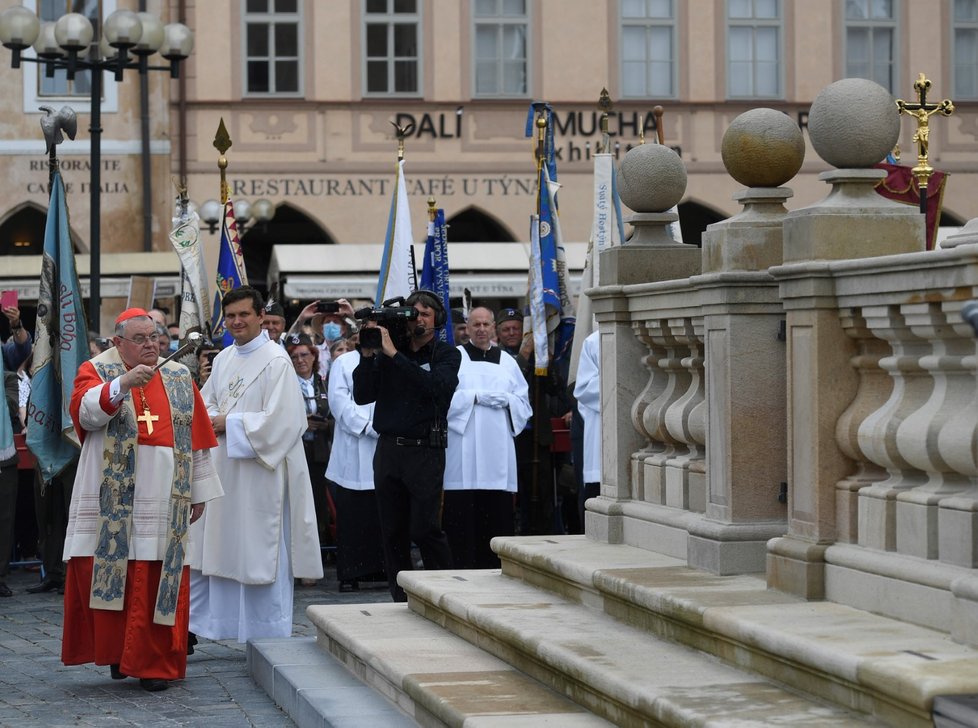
(128, 314)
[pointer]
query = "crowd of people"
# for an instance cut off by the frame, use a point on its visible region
(203, 494)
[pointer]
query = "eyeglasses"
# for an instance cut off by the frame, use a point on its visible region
(302, 355)
(140, 339)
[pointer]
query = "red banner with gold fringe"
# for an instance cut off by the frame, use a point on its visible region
(900, 185)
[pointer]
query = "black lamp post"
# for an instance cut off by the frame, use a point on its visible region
(67, 44)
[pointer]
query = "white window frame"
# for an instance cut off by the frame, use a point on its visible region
(871, 24)
(81, 104)
(270, 19)
(972, 27)
(756, 23)
(499, 21)
(649, 22)
(390, 19)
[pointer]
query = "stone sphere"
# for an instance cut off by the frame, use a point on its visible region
(651, 178)
(853, 123)
(763, 148)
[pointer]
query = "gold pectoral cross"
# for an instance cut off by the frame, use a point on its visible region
(149, 418)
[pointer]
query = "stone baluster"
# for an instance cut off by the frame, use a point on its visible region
(656, 384)
(676, 383)
(874, 389)
(952, 382)
(877, 433)
(678, 481)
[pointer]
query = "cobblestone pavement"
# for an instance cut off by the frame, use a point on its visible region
(37, 690)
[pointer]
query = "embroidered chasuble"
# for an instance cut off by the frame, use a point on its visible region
(136, 479)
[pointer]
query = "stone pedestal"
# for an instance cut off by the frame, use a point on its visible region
(852, 222)
(745, 387)
(650, 255)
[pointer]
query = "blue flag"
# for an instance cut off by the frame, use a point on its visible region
(230, 272)
(61, 347)
(548, 278)
(434, 270)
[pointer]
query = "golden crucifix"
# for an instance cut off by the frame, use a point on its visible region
(922, 111)
(149, 418)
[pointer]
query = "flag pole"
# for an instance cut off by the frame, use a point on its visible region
(537, 525)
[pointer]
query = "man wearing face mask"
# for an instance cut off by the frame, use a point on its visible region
(412, 387)
(331, 326)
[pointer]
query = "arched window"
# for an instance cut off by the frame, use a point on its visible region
(475, 226)
(289, 226)
(694, 217)
(22, 232)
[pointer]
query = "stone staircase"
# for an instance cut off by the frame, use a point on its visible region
(574, 632)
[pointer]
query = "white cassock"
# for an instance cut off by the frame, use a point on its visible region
(351, 459)
(491, 406)
(263, 534)
(587, 392)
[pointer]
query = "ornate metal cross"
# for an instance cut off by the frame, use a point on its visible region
(922, 111)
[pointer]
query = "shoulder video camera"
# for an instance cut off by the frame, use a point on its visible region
(394, 316)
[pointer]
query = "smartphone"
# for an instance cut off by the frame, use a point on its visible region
(327, 307)
(210, 357)
(8, 299)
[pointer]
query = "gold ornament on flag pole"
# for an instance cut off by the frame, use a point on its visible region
(222, 142)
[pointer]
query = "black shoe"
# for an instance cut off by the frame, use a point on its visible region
(5, 590)
(116, 673)
(46, 586)
(153, 684)
(191, 641)
(350, 586)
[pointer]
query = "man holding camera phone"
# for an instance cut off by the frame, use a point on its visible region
(412, 383)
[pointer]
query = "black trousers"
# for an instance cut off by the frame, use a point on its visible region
(51, 509)
(408, 482)
(472, 518)
(8, 513)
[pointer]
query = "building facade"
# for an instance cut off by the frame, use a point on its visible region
(308, 91)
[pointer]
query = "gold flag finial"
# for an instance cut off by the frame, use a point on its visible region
(402, 132)
(431, 209)
(541, 124)
(922, 111)
(222, 142)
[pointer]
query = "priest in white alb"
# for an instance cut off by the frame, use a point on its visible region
(587, 392)
(144, 472)
(489, 408)
(248, 551)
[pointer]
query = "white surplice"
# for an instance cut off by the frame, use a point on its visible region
(351, 459)
(263, 532)
(481, 453)
(587, 392)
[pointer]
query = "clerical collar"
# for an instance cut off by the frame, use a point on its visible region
(491, 355)
(253, 345)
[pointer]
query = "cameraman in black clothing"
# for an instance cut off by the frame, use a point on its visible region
(412, 383)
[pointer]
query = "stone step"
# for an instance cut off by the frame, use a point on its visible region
(854, 659)
(315, 690)
(618, 672)
(434, 676)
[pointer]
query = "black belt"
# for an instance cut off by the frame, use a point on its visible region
(406, 441)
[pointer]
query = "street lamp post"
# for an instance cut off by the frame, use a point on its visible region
(61, 45)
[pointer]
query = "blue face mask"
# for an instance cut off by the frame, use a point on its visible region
(332, 331)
